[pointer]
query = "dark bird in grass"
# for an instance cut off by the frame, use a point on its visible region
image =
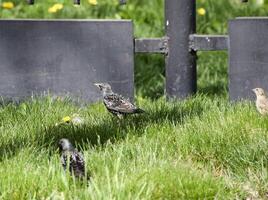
(72, 159)
(115, 103)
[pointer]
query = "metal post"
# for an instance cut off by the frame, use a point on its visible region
(31, 2)
(180, 62)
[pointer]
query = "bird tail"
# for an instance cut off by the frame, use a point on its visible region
(138, 110)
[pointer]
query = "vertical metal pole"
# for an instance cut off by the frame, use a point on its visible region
(31, 2)
(180, 62)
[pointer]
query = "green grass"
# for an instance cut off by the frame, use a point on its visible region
(200, 148)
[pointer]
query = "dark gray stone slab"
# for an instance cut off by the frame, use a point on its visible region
(65, 57)
(180, 23)
(248, 56)
(208, 42)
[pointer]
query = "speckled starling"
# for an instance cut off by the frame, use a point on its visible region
(115, 103)
(71, 158)
(261, 101)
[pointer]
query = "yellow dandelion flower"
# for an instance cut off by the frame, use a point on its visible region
(201, 11)
(8, 5)
(52, 9)
(55, 8)
(93, 2)
(58, 6)
(66, 119)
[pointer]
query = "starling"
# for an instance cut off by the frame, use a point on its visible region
(72, 158)
(115, 103)
(261, 101)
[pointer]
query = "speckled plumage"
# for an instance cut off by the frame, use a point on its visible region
(72, 158)
(115, 103)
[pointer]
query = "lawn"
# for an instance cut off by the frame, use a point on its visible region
(200, 148)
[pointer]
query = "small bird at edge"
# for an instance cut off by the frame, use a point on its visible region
(261, 101)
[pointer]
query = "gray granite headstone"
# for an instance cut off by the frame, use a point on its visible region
(65, 57)
(248, 56)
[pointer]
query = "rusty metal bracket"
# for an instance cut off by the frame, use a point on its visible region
(77, 2)
(208, 42)
(151, 45)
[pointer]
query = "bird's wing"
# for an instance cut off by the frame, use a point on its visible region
(263, 104)
(118, 103)
(77, 162)
(63, 160)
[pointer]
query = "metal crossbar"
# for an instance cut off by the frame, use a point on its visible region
(208, 42)
(77, 2)
(151, 45)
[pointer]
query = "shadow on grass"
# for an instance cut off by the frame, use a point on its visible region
(109, 129)
(214, 90)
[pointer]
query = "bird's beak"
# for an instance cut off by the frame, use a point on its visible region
(98, 85)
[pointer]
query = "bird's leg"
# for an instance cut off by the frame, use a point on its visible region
(120, 116)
